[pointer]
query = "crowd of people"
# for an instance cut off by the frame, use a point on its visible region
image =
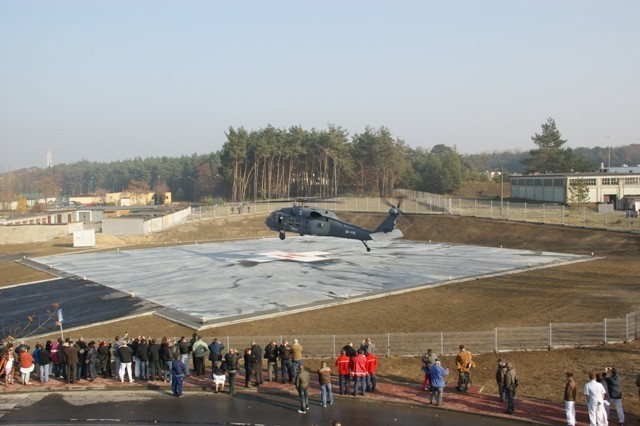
(165, 360)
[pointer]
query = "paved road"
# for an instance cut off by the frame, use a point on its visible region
(273, 408)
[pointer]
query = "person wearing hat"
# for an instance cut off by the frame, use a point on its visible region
(510, 385)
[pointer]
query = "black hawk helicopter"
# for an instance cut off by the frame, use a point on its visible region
(308, 220)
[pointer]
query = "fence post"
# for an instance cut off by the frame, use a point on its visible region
(550, 336)
(525, 212)
(388, 344)
(543, 214)
(442, 342)
(495, 344)
(334, 345)
(605, 330)
(626, 328)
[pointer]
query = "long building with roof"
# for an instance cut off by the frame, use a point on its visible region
(619, 186)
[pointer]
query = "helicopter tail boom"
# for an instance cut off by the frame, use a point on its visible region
(389, 222)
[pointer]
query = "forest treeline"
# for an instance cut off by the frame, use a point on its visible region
(273, 163)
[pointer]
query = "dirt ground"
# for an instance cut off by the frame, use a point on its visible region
(608, 286)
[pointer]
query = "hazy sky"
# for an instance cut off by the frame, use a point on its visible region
(112, 80)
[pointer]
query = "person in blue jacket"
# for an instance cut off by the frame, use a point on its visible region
(437, 374)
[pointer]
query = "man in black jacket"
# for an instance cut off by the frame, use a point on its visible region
(256, 363)
(285, 352)
(154, 361)
(615, 392)
(126, 358)
(271, 355)
(231, 366)
(142, 353)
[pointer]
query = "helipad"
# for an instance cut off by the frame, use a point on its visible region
(205, 285)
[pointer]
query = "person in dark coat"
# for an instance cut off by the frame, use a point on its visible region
(256, 363)
(231, 367)
(177, 375)
(154, 361)
(71, 357)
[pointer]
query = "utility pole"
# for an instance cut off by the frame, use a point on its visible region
(501, 189)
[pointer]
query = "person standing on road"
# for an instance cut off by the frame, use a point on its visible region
(271, 355)
(183, 349)
(359, 372)
(231, 367)
(177, 374)
(247, 366)
(200, 351)
(500, 372)
(126, 358)
(615, 392)
(595, 393)
(215, 349)
(26, 365)
(7, 364)
(154, 361)
(142, 352)
(71, 358)
(296, 357)
(285, 352)
(256, 363)
(324, 378)
(343, 363)
(570, 399)
(44, 359)
(510, 384)
(428, 360)
(464, 364)
(372, 365)
(436, 377)
(302, 385)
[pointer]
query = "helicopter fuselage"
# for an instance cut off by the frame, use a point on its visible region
(323, 222)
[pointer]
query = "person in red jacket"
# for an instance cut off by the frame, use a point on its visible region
(372, 364)
(359, 372)
(344, 364)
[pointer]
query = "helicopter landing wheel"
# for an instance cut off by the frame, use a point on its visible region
(282, 236)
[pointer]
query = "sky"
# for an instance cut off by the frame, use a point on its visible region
(112, 80)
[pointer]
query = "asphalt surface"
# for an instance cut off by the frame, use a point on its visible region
(248, 408)
(33, 306)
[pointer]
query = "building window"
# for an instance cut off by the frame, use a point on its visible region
(631, 181)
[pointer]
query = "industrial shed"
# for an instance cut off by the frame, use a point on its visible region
(617, 186)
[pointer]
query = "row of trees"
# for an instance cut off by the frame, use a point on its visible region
(282, 163)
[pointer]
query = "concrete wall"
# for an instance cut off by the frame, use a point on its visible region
(124, 226)
(31, 233)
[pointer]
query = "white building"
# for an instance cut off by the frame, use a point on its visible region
(617, 186)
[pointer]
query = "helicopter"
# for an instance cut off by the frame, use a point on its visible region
(309, 220)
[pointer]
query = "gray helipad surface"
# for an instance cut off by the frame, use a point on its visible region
(218, 283)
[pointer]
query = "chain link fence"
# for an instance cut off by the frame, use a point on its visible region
(417, 202)
(500, 339)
